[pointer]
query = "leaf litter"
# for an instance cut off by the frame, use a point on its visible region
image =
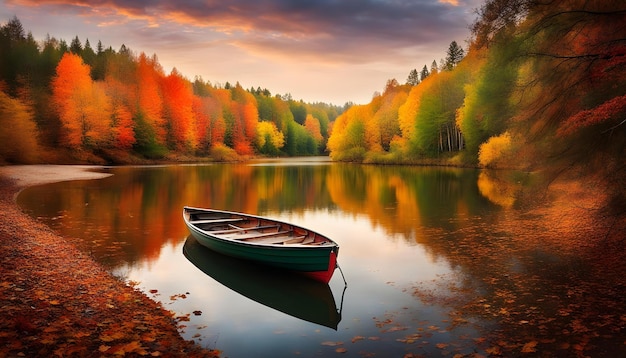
(56, 301)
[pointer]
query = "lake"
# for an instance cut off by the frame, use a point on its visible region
(436, 261)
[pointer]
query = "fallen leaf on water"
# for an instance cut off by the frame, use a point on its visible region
(579, 347)
(357, 338)
(441, 345)
(529, 347)
(494, 351)
(341, 350)
(331, 344)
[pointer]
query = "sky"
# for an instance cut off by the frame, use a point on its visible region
(332, 51)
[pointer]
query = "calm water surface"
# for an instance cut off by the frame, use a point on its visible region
(403, 233)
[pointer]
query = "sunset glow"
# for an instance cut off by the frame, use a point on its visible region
(324, 51)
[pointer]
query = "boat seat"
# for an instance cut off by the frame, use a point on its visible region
(295, 240)
(284, 239)
(253, 235)
(235, 229)
(216, 221)
(309, 240)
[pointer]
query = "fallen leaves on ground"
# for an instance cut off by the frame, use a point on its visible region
(56, 301)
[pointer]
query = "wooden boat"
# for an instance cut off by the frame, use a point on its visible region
(263, 240)
(284, 291)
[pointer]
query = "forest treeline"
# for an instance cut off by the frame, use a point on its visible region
(542, 85)
(63, 102)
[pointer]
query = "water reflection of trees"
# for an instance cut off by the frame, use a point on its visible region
(137, 211)
(407, 200)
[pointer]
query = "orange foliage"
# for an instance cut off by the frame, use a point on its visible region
(178, 103)
(83, 107)
(149, 95)
(386, 117)
(222, 95)
(312, 126)
(72, 77)
(123, 128)
(246, 119)
(202, 124)
(250, 116)
(218, 125)
(218, 130)
(97, 120)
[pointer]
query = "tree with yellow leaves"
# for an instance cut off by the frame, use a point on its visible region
(268, 139)
(18, 132)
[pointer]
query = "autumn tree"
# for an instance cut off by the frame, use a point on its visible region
(435, 124)
(83, 107)
(495, 16)
(347, 141)
(122, 124)
(269, 140)
(491, 152)
(226, 117)
(407, 113)
(18, 132)
(487, 106)
(178, 111)
(386, 117)
(200, 107)
(149, 97)
(312, 125)
(245, 120)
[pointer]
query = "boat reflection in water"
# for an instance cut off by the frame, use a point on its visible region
(288, 292)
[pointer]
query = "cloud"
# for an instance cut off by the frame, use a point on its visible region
(348, 31)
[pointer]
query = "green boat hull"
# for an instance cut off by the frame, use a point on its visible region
(317, 261)
(294, 259)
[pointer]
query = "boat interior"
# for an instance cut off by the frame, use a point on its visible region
(253, 229)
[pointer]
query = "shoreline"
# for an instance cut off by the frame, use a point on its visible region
(56, 300)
